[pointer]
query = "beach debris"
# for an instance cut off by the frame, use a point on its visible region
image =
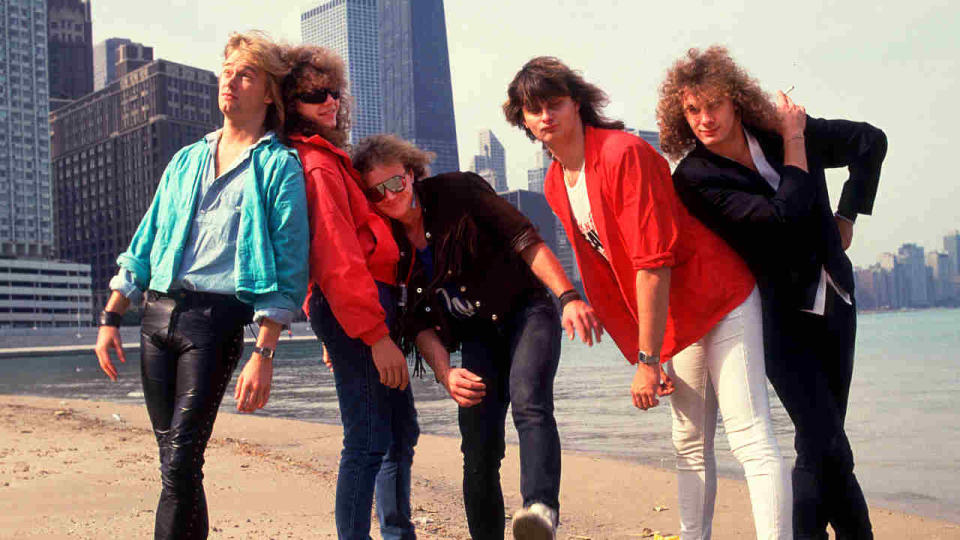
(117, 418)
(60, 413)
(423, 521)
(647, 532)
(660, 508)
(671, 537)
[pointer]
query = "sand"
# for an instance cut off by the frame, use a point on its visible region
(88, 469)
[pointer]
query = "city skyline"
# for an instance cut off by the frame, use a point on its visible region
(890, 48)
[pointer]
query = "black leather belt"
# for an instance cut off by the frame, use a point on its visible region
(186, 298)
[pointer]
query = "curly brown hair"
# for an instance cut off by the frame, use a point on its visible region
(257, 48)
(384, 149)
(312, 67)
(546, 77)
(708, 74)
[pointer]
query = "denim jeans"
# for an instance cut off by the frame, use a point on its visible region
(188, 351)
(379, 431)
(724, 371)
(518, 362)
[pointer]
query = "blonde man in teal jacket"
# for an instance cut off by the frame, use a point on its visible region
(224, 242)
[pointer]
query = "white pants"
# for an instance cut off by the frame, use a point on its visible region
(725, 370)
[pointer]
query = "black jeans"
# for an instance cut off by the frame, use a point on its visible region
(518, 362)
(810, 364)
(189, 346)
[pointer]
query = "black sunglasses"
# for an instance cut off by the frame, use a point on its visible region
(318, 96)
(377, 193)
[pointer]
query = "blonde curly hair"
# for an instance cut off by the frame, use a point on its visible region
(385, 149)
(309, 65)
(708, 74)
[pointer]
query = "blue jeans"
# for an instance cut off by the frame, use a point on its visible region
(518, 362)
(379, 431)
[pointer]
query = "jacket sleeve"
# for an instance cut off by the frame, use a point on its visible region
(286, 218)
(495, 214)
(136, 258)
(337, 259)
(717, 200)
(639, 190)
(858, 146)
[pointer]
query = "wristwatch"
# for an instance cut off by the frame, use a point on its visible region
(264, 352)
(650, 360)
(110, 318)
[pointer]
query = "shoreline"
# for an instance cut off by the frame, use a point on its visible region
(69, 468)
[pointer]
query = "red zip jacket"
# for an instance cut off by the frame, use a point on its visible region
(350, 244)
(642, 224)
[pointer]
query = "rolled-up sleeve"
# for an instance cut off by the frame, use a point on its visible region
(645, 205)
(289, 238)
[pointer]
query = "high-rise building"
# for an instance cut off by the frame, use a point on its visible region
(537, 175)
(352, 29)
(535, 207)
(132, 56)
(951, 244)
(70, 46)
(491, 158)
(915, 274)
(942, 272)
(26, 211)
(105, 61)
(109, 151)
(415, 78)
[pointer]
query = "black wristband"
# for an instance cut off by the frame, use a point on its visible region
(110, 318)
(569, 296)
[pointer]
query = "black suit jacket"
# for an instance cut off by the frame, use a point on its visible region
(787, 235)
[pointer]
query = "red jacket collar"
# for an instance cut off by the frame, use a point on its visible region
(317, 140)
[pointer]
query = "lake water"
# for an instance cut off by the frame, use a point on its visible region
(903, 420)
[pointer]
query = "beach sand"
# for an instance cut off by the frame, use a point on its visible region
(88, 469)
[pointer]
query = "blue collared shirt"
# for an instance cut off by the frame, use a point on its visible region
(211, 248)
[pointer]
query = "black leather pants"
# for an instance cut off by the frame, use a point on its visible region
(189, 346)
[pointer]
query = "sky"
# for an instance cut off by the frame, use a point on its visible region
(892, 64)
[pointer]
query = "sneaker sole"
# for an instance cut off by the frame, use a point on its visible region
(531, 527)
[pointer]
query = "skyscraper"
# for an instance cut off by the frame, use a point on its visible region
(70, 46)
(951, 244)
(110, 148)
(105, 61)
(26, 212)
(538, 173)
(493, 158)
(351, 28)
(415, 78)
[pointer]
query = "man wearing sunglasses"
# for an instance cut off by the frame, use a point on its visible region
(351, 303)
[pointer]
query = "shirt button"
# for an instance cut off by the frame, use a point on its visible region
(427, 309)
(419, 290)
(477, 303)
(463, 289)
(449, 272)
(494, 316)
(437, 328)
(427, 234)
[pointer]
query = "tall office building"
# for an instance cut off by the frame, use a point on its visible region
(538, 173)
(26, 212)
(351, 28)
(70, 46)
(910, 256)
(105, 61)
(951, 244)
(491, 160)
(130, 57)
(415, 78)
(110, 149)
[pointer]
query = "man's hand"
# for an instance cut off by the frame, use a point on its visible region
(109, 338)
(253, 385)
(646, 386)
(326, 358)
(463, 386)
(390, 363)
(792, 117)
(846, 231)
(578, 317)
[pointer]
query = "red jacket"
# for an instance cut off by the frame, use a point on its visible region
(642, 224)
(350, 244)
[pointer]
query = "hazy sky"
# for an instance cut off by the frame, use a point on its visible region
(894, 66)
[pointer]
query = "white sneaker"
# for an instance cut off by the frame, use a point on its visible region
(535, 522)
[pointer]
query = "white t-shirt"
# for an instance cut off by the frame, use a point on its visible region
(773, 178)
(580, 204)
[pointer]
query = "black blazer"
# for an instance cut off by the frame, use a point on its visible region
(785, 236)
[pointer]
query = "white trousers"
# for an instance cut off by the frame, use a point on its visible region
(725, 371)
